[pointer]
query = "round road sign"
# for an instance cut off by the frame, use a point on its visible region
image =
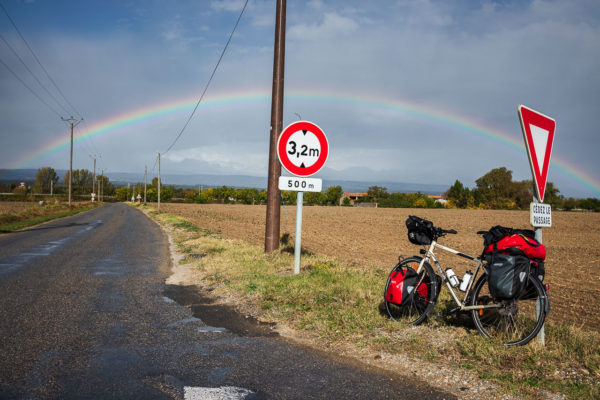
(302, 148)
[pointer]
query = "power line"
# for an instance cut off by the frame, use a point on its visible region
(30, 89)
(87, 128)
(154, 166)
(39, 62)
(209, 80)
(32, 74)
(86, 142)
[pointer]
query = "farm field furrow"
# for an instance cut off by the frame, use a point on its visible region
(374, 237)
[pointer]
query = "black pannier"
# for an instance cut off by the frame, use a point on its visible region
(420, 231)
(508, 273)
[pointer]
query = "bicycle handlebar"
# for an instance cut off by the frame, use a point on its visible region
(482, 232)
(442, 232)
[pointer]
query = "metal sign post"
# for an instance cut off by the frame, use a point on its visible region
(302, 149)
(298, 241)
(541, 336)
(538, 132)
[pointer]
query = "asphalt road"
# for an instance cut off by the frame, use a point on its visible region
(85, 313)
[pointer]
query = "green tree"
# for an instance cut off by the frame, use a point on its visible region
(247, 196)
(45, 180)
(123, 194)
(289, 197)
(166, 193)
(570, 204)
(460, 196)
(104, 186)
(377, 192)
(522, 194)
(82, 181)
(552, 197)
(590, 204)
(494, 188)
(333, 194)
(314, 198)
(262, 196)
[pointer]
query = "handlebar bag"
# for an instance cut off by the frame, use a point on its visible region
(420, 231)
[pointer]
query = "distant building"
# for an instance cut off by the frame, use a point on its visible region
(352, 196)
(438, 199)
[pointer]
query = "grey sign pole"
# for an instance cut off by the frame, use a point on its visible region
(298, 242)
(541, 336)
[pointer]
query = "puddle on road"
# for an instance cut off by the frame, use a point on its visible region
(183, 321)
(217, 317)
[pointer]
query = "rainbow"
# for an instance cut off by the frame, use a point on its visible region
(432, 115)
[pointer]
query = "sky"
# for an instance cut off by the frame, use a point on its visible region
(421, 91)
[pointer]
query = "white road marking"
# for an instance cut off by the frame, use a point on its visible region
(221, 393)
(208, 328)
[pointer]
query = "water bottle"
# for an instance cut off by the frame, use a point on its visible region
(465, 281)
(451, 277)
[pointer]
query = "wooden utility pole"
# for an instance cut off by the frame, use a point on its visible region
(101, 187)
(158, 210)
(73, 122)
(94, 179)
(145, 181)
(273, 193)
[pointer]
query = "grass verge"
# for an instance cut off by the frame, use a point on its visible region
(341, 304)
(40, 214)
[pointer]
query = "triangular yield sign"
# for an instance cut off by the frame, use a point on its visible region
(538, 132)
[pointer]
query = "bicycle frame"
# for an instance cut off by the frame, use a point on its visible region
(430, 255)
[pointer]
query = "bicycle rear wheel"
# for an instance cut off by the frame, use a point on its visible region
(419, 306)
(513, 322)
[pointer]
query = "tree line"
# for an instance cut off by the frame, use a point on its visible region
(226, 194)
(497, 190)
(46, 182)
(494, 190)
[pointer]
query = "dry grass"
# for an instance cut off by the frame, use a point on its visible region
(373, 238)
(18, 215)
(331, 304)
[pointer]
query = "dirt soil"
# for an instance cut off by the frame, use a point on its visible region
(13, 207)
(375, 237)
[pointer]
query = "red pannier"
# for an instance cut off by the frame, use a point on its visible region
(531, 247)
(402, 284)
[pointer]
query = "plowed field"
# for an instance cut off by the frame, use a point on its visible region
(373, 238)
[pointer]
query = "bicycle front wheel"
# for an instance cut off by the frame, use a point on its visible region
(514, 322)
(418, 307)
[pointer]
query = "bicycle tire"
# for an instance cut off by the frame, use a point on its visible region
(517, 321)
(419, 307)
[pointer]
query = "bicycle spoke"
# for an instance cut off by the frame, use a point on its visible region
(516, 322)
(415, 309)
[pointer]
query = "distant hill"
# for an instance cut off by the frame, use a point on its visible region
(238, 181)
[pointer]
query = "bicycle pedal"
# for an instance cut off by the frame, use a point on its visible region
(451, 312)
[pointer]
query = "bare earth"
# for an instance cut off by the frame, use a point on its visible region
(13, 207)
(373, 238)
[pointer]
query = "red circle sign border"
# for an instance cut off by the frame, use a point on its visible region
(282, 146)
